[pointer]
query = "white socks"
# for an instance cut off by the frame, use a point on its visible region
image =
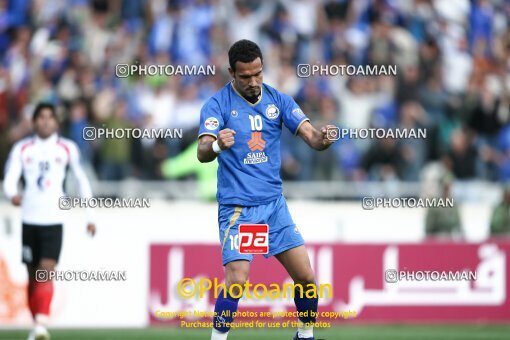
(217, 335)
(42, 319)
(305, 331)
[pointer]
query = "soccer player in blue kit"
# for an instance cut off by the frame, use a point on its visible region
(241, 125)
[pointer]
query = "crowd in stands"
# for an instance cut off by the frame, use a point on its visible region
(453, 79)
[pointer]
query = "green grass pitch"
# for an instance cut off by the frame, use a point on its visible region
(443, 332)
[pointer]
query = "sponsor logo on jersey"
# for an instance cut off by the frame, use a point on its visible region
(256, 143)
(272, 112)
(255, 158)
(211, 123)
(42, 181)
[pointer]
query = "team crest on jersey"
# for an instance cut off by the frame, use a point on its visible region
(211, 123)
(272, 112)
(234, 113)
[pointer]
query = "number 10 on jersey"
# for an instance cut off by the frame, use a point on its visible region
(255, 122)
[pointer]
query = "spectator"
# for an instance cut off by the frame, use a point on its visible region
(116, 151)
(444, 221)
(413, 151)
(434, 99)
(461, 158)
(500, 219)
(381, 160)
(452, 60)
(78, 121)
(245, 19)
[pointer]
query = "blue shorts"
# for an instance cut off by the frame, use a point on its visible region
(283, 233)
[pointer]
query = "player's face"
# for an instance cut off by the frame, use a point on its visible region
(45, 124)
(248, 78)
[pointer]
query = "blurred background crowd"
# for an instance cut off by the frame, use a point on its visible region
(452, 57)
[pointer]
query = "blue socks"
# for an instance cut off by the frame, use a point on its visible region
(306, 305)
(225, 309)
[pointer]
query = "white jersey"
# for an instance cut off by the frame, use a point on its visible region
(43, 164)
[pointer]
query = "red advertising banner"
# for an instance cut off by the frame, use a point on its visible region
(429, 282)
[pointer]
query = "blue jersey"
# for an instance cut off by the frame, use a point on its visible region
(249, 172)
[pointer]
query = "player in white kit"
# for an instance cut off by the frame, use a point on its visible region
(42, 162)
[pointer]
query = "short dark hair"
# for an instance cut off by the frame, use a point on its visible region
(244, 51)
(41, 106)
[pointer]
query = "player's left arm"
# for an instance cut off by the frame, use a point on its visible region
(316, 139)
(83, 183)
(297, 122)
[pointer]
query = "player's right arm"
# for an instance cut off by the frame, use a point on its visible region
(13, 170)
(206, 152)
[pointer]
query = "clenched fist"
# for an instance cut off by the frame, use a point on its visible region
(226, 139)
(330, 134)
